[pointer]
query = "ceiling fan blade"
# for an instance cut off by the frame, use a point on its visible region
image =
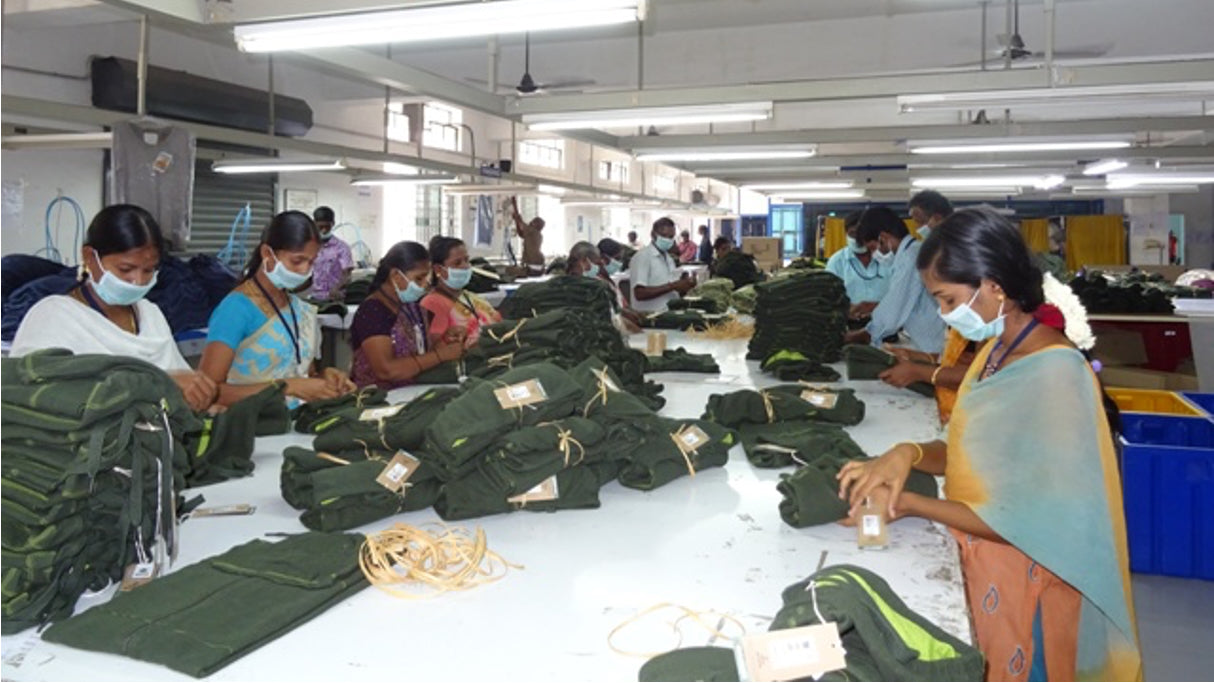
(563, 83)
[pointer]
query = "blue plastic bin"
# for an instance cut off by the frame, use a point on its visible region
(1202, 401)
(1168, 489)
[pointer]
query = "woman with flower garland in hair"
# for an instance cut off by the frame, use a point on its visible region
(1032, 491)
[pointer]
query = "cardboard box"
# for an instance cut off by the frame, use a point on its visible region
(1141, 378)
(1118, 347)
(766, 250)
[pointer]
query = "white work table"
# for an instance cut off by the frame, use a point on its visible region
(712, 542)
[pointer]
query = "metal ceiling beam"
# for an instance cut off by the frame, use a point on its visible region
(639, 143)
(864, 87)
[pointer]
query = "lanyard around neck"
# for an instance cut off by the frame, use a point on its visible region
(993, 367)
(292, 332)
(96, 306)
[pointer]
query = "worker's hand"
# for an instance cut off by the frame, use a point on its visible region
(880, 497)
(199, 390)
(906, 373)
(683, 285)
(311, 388)
(449, 351)
(339, 380)
(857, 337)
(455, 335)
(632, 320)
(859, 478)
(863, 309)
(903, 353)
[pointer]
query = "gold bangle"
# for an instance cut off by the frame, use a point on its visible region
(937, 372)
(919, 449)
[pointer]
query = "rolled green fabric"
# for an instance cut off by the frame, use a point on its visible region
(527, 456)
(884, 640)
(308, 415)
(868, 362)
(681, 360)
(785, 402)
(679, 320)
(185, 620)
(661, 459)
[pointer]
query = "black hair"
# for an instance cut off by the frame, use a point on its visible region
(323, 213)
(852, 219)
(580, 251)
(976, 244)
(878, 219)
(703, 229)
(403, 256)
(123, 227)
(632, 234)
(722, 240)
(290, 230)
(663, 222)
(610, 248)
(933, 203)
(441, 247)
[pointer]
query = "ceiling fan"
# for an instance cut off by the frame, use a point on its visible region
(1014, 49)
(527, 84)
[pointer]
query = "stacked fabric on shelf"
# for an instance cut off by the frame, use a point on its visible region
(188, 620)
(92, 462)
(804, 312)
(681, 360)
(563, 291)
(866, 362)
(1133, 292)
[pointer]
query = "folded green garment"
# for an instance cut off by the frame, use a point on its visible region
(705, 663)
(525, 457)
(794, 366)
(275, 417)
(344, 431)
(663, 459)
(785, 402)
(679, 320)
(337, 497)
(607, 400)
(536, 298)
(884, 640)
(695, 303)
(223, 449)
(308, 415)
(680, 360)
(805, 312)
(782, 443)
(868, 362)
(475, 495)
(811, 494)
(744, 299)
(719, 290)
(203, 617)
(443, 373)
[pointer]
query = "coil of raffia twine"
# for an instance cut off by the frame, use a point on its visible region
(434, 558)
(730, 328)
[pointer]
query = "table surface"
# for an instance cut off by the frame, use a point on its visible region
(712, 542)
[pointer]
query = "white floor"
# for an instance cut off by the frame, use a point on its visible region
(1175, 627)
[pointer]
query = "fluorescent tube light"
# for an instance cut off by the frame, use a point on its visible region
(826, 194)
(996, 99)
(1104, 166)
(645, 116)
(275, 165)
(756, 155)
(407, 179)
(823, 185)
(1124, 181)
(989, 182)
(1021, 147)
(419, 24)
(1135, 190)
(544, 188)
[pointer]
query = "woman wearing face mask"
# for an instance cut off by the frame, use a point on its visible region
(863, 275)
(389, 330)
(107, 312)
(1032, 491)
(261, 332)
(456, 315)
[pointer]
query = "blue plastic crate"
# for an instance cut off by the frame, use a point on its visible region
(1168, 489)
(1203, 401)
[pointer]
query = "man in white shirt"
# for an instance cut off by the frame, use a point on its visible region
(654, 274)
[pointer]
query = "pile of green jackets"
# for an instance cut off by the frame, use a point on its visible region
(804, 312)
(868, 362)
(562, 291)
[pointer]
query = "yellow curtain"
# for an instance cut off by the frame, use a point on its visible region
(1036, 233)
(1094, 240)
(836, 236)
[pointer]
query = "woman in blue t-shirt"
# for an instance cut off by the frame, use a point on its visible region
(261, 333)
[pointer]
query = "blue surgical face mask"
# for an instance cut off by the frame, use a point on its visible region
(663, 243)
(592, 270)
(115, 291)
(970, 325)
(411, 293)
(613, 266)
(326, 236)
(458, 278)
(855, 246)
(924, 231)
(285, 278)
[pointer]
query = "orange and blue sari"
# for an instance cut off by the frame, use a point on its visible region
(1030, 452)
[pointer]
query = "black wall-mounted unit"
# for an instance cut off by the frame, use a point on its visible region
(179, 95)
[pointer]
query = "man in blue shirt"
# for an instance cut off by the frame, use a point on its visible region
(928, 209)
(907, 306)
(862, 273)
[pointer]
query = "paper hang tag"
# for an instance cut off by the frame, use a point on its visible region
(397, 473)
(521, 394)
(820, 399)
(225, 510)
(790, 654)
(162, 162)
(377, 414)
(545, 490)
(138, 573)
(692, 437)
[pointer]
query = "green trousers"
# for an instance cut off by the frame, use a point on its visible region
(223, 448)
(343, 431)
(476, 495)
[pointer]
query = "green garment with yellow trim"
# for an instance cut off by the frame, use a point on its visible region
(223, 448)
(343, 432)
(307, 416)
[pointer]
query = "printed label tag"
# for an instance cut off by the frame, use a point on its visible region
(521, 394)
(377, 414)
(399, 469)
(545, 490)
(790, 654)
(820, 399)
(870, 525)
(137, 574)
(225, 510)
(162, 162)
(692, 437)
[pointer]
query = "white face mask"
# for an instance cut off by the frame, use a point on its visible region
(883, 256)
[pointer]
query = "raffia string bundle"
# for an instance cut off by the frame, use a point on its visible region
(730, 328)
(435, 558)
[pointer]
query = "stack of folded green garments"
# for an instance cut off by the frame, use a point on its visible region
(222, 448)
(717, 289)
(353, 433)
(794, 366)
(868, 362)
(681, 360)
(203, 617)
(92, 462)
(811, 494)
(785, 402)
(782, 444)
(695, 303)
(744, 299)
(679, 320)
(670, 451)
(310, 416)
(804, 312)
(563, 291)
(335, 496)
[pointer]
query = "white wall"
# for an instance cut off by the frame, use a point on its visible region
(1148, 226)
(31, 179)
(1198, 210)
(362, 206)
